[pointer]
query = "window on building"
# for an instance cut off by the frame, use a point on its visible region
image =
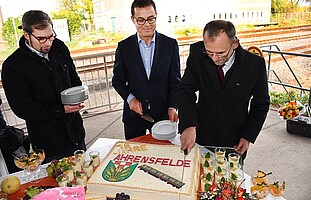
(230, 15)
(169, 19)
(98, 9)
(261, 14)
(113, 23)
(219, 16)
(225, 15)
(176, 18)
(243, 15)
(183, 18)
(214, 17)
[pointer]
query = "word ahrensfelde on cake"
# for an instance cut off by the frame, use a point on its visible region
(152, 160)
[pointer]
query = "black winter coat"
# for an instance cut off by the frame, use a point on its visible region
(223, 116)
(32, 85)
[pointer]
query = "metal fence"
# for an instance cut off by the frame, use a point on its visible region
(274, 75)
(96, 72)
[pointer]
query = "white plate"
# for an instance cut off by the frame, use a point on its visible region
(176, 140)
(75, 90)
(163, 137)
(164, 130)
(75, 95)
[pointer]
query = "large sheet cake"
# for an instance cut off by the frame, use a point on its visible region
(147, 171)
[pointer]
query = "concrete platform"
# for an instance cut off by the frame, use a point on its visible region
(287, 156)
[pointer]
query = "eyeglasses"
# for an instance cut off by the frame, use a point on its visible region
(142, 21)
(43, 40)
(218, 55)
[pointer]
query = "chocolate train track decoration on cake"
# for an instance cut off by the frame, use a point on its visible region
(162, 176)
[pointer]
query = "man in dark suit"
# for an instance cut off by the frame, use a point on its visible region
(146, 72)
(232, 102)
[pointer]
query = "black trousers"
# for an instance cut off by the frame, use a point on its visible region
(68, 153)
(136, 131)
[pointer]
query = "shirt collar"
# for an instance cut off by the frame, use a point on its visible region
(229, 63)
(141, 40)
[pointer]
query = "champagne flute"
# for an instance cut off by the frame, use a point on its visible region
(41, 156)
(32, 165)
(20, 161)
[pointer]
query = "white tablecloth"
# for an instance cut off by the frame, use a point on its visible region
(103, 145)
(3, 168)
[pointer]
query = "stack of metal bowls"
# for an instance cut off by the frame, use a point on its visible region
(75, 95)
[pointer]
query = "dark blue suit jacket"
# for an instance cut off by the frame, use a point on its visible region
(130, 77)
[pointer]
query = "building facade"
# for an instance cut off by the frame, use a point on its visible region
(114, 15)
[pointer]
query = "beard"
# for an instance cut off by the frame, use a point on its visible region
(45, 49)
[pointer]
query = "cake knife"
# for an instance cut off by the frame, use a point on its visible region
(183, 166)
(147, 117)
(183, 170)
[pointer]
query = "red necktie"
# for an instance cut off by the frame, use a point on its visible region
(221, 74)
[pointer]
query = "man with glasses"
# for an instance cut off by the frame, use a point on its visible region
(146, 73)
(233, 98)
(33, 78)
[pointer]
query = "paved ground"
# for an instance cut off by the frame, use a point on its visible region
(287, 156)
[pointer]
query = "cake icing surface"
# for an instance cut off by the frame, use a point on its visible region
(147, 171)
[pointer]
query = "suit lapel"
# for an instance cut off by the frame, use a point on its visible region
(210, 70)
(232, 80)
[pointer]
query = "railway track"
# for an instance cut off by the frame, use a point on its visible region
(248, 38)
(278, 39)
(305, 49)
(252, 35)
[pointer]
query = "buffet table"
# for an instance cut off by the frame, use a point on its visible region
(103, 145)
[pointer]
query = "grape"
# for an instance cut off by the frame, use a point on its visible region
(49, 171)
(54, 162)
(121, 196)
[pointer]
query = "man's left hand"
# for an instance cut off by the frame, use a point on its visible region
(242, 146)
(172, 115)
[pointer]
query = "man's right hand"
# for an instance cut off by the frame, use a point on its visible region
(136, 106)
(73, 108)
(187, 138)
